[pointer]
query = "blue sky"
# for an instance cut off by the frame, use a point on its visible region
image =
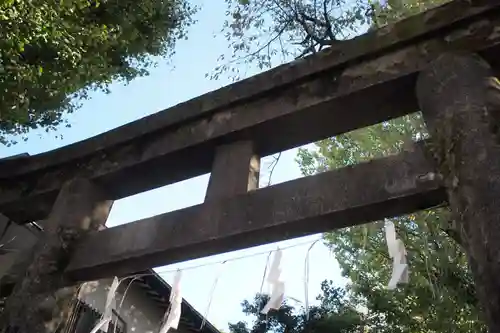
(169, 84)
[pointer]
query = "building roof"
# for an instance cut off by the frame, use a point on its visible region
(159, 291)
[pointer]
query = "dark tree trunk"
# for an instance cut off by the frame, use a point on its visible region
(459, 99)
(41, 301)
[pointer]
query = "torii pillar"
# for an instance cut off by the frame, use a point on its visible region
(460, 101)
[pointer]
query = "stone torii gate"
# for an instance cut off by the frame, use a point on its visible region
(439, 62)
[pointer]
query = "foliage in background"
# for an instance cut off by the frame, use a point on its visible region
(265, 33)
(53, 53)
(334, 314)
(441, 295)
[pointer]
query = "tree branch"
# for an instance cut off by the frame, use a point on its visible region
(328, 24)
(272, 167)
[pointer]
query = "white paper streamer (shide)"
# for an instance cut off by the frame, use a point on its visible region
(173, 314)
(397, 252)
(211, 296)
(278, 287)
(108, 309)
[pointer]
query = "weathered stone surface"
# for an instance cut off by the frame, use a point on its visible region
(42, 297)
(368, 80)
(459, 99)
(327, 201)
(235, 170)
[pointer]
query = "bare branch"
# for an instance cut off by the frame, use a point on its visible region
(307, 29)
(272, 167)
(329, 30)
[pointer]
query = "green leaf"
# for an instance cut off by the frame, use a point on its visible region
(59, 51)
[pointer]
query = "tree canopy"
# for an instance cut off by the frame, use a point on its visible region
(53, 53)
(265, 33)
(333, 314)
(441, 295)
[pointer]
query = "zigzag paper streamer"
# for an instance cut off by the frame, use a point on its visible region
(397, 252)
(103, 323)
(173, 314)
(278, 287)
